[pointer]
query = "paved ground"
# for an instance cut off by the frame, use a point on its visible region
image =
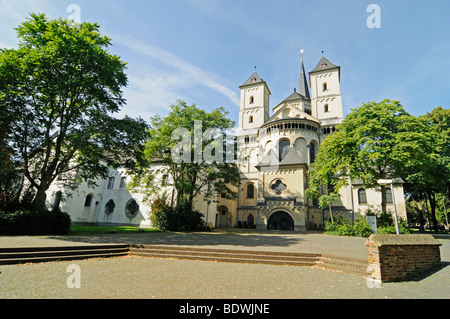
(236, 239)
(133, 277)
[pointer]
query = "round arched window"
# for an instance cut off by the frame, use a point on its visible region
(132, 208)
(109, 207)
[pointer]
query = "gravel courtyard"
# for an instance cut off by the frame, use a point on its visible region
(147, 278)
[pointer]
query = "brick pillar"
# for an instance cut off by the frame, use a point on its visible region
(397, 257)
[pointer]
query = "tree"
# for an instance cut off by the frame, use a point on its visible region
(366, 146)
(60, 89)
(427, 171)
(314, 191)
(189, 147)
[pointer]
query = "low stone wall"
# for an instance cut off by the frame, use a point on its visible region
(397, 257)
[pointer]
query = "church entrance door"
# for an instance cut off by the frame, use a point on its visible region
(280, 221)
(223, 217)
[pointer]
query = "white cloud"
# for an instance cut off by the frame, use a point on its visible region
(187, 74)
(151, 94)
(13, 13)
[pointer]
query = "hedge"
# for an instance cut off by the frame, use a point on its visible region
(27, 223)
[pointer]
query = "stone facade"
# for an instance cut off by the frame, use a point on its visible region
(275, 151)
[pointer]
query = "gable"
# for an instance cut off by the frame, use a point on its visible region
(289, 110)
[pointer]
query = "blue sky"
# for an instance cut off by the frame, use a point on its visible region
(200, 51)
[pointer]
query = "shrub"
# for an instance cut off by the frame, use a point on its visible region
(26, 222)
(390, 229)
(181, 218)
(329, 227)
(346, 229)
(362, 228)
(161, 213)
(343, 227)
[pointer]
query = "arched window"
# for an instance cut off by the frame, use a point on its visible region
(325, 86)
(283, 148)
(111, 182)
(88, 201)
(250, 119)
(389, 196)
(252, 99)
(362, 198)
(250, 191)
(57, 200)
(312, 153)
(326, 108)
(250, 220)
(109, 207)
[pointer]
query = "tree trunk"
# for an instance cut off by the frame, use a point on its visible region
(428, 212)
(39, 199)
(331, 214)
(432, 199)
(383, 199)
(421, 219)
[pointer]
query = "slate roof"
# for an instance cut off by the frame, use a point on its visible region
(268, 160)
(324, 64)
(303, 86)
(292, 158)
(253, 79)
(271, 159)
(294, 96)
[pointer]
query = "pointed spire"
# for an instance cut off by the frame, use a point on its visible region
(324, 64)
(303, 86)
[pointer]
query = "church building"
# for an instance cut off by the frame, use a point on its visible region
(275, 150)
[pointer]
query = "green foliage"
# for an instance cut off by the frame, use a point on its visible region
(193, 174)
(180, 218)
(58, 91)
(362, 228)
(343, 227)
(389, 228)
(368, 145)
(28, 223)
(427, 173)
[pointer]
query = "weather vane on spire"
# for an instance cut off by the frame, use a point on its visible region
(301, 53)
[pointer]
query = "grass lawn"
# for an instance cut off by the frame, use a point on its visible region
(84, 230)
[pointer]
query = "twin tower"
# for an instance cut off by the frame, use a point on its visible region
(276, 150)
(323, 103)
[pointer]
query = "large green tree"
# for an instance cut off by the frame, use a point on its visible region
(60, 89)
(191, 148)
(368, 145)
(427, 171)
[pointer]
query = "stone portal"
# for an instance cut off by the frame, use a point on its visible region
(280, 220)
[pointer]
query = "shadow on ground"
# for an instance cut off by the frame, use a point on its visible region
(429, 272)
(248, 239)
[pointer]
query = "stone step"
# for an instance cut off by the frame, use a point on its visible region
(228, 251)
(344, 264)
(231, 259)
(23, 255)
(220, 254)
(9, 256)
(224, 255)
(58, 258)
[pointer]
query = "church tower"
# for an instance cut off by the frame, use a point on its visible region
(254, 110)
(326, 99)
